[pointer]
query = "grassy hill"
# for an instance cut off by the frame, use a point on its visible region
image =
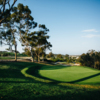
(22, 81)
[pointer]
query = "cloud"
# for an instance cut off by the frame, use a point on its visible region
(91, 36)
(90, 30)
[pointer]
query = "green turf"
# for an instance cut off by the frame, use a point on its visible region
(6, 58)
(71, 74)
(20, 81)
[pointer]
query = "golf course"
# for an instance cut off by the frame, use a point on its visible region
(49, 50)
(28, 81)
(71, 74)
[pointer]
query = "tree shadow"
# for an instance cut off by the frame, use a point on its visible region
(85, 78)
(14, 72)
(56, 91)
(36, 74)
(50, 67)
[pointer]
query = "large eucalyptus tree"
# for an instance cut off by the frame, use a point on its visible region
(42, 42)
(20, 22)
(36, 42)
(6, 7)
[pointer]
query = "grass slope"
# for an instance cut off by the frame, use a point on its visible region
(18, 81)
(71, 74)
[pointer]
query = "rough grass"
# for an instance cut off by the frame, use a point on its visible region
(20, 81)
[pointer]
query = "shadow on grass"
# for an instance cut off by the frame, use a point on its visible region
(61, 96)
(40, 90)
(85, 78)
(36, 74)
(14, 68)
(51, 67)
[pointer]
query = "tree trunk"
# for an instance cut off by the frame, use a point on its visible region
(15, 56)
(15, 52)
(43, 57)
(38, 58)
(32, 59)
(32, 55)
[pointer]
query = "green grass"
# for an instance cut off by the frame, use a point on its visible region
(13, 57)
(6, 58)
(22, 81)
(72, 74)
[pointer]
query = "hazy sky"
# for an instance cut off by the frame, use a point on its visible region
(74, 24)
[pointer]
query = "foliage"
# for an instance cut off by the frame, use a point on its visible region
(50, 55)
(97, 65)
(5, 9)
(18, 23)
(91, 59)
(27, 52)
(67, 57)
(59, 56)
(36, 42)
(54, 59)
(57, 59)
(5, 54)
(11, 54)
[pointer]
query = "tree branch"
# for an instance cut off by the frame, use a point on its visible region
(1, 20)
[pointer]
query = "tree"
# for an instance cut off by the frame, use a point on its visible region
(67, 57)
(36, 42)
(19, 22)
(59, 56)
(10, 38)
(86, 60)
(50, 55)
(27, 52)
(90, 59)
(28, 40)
(6, 38)
(42, 44)
(97, 60)
(5, 9)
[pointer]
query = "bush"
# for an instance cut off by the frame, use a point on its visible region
(57, 59)
(54, 59)
(91, 59)
(97, 65)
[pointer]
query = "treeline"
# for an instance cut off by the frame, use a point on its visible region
(90, 59)
(5, 53)
(61, 58)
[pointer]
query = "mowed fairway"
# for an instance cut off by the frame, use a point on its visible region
(71, 74)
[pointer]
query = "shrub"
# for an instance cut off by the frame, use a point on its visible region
(97, 65)
(54, 59)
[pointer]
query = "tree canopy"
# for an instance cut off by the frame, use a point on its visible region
(17, 26)
(5, 9)
(90, 59)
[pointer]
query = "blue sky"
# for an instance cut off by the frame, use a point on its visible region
(74, 24)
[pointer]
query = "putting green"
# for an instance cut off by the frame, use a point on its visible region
(71, 74)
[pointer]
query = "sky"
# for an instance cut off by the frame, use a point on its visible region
(74, 24)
